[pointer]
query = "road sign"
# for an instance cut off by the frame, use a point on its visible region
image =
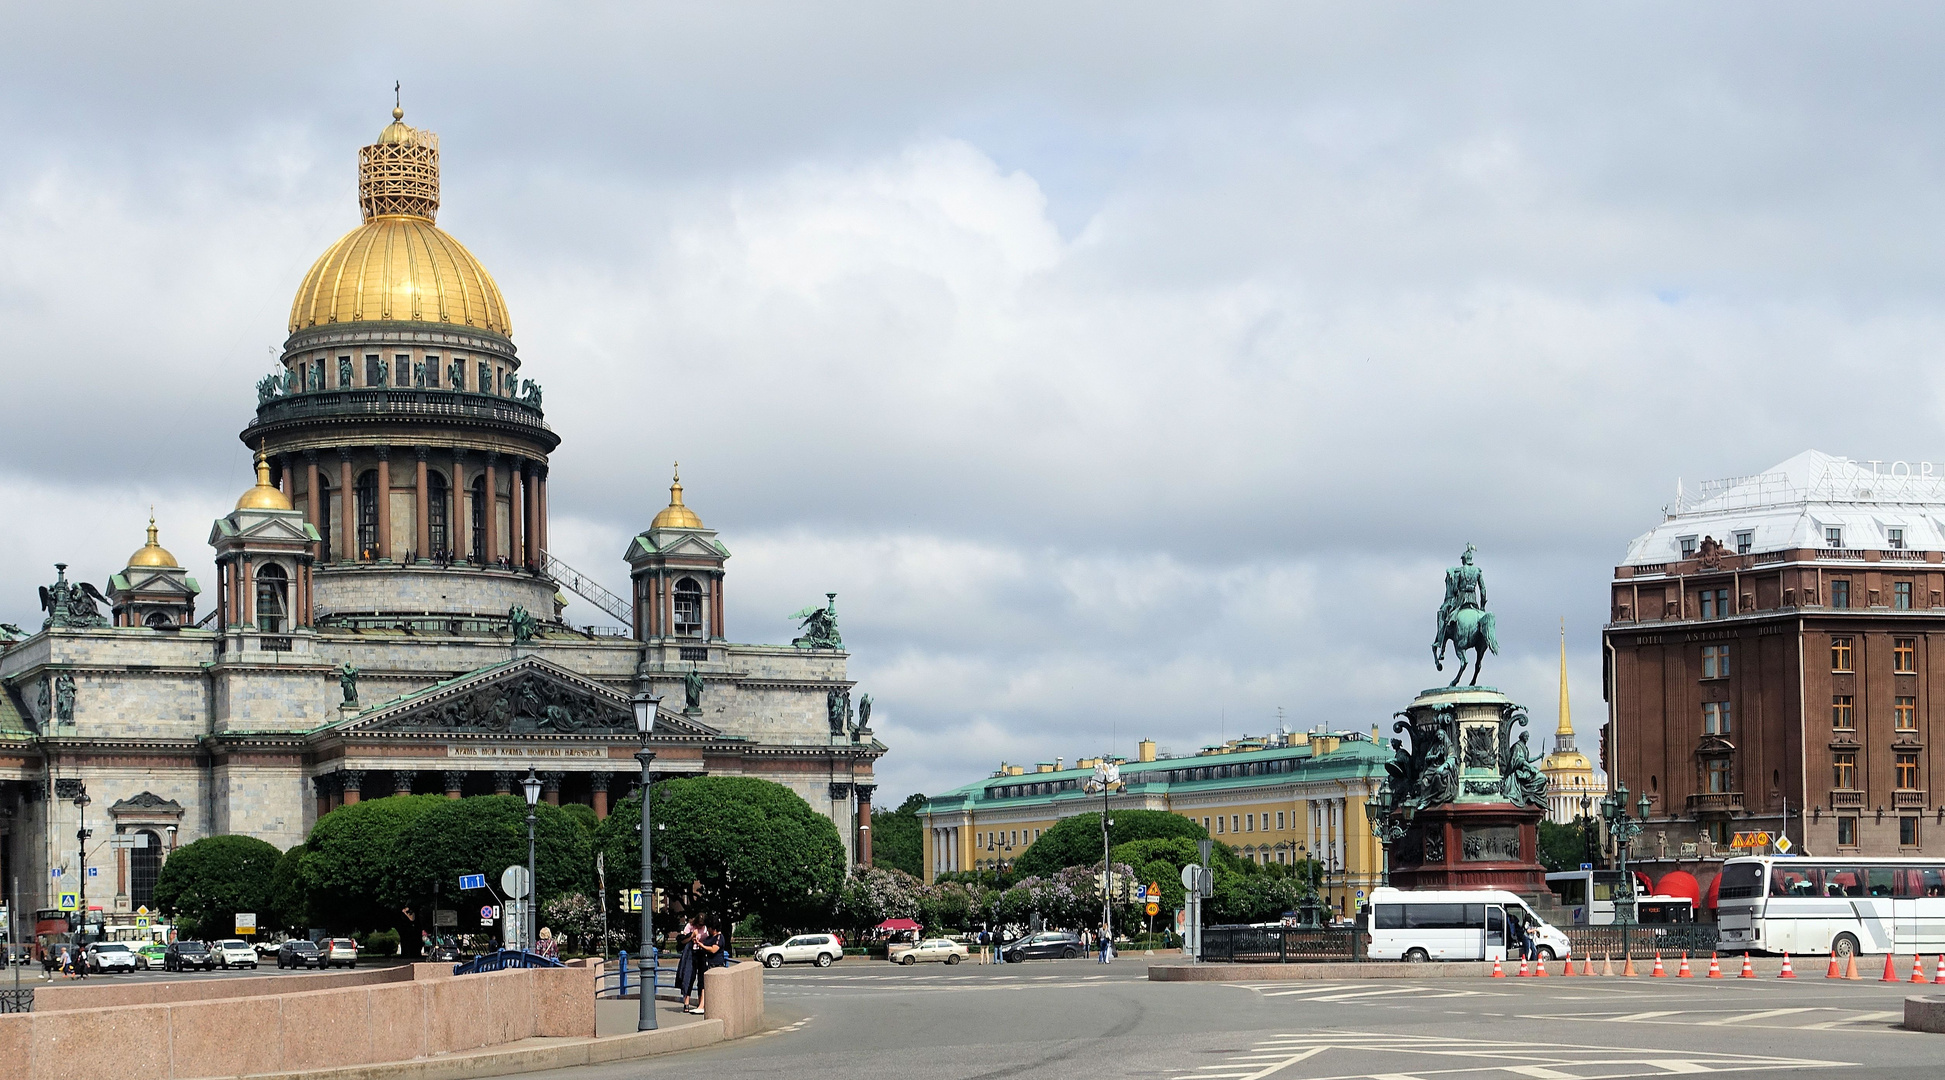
(246, 922)
(1154, 908)
(141, 922)
(1586, 866)
(1154, 892)
(631, 899)
(472, 881)
(54, 871)
(1189, 877)
(486, 913)
(69, 901)
(94, 871)
(514, 882)
(1783, 845)
(142, 910)
(1750, 840)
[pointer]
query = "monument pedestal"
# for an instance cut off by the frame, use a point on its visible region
(1469, 802)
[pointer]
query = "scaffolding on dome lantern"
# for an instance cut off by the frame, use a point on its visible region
(399, 174)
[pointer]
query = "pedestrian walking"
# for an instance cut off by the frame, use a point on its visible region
(547, 946)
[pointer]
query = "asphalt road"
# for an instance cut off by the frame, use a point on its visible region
(1068, 1019)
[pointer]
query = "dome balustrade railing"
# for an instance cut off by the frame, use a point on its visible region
(405, 402)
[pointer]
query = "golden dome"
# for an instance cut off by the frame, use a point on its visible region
(153, 554)
(676, 515)
(263, 496)
(399, 266)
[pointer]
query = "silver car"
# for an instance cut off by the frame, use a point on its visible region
(931, 949)
(820, 949)
(339, 951)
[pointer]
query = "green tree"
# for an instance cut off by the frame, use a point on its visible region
(1076, 841)
(350, 866)
(204, 884)
(486, 834)
(736, 846)
(1562, 847)
(896, 837)
(287, 897)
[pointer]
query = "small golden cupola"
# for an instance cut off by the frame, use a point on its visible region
(264, 496)
(153, 554)
(676, 515)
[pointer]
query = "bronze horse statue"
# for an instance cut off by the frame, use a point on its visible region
(1466, 628)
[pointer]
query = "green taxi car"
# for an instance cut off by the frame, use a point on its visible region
(150, 955)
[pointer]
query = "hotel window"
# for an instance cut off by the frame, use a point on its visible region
(1843, 716)
(1894, 538)
(1688, 547)
(1904, 714)
(1719, 833)
(1840, 593)
(1279, 821)
(1840, 654)
(431, 370)
(1745, 540)
(1901, 595)
(1904, 655)
(1833, 537)
(1843, 771)
(1715, 718)
(1715, 604)
(1908, 832)
(1846, 832)
(1715, 661)
(1906, 764)
(1718, 775)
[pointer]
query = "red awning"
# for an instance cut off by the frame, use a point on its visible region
(899, 924)
(1680, 883)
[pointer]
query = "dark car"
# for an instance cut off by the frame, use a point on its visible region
(184, 955)
(299, 953)
(446, 954)
(1048, 946)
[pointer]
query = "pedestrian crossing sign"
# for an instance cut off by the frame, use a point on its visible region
(69, 901)
(631, 899)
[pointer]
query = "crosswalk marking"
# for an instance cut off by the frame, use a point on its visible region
(1483, 1059)
(1860, 1018)
(1745, 1018)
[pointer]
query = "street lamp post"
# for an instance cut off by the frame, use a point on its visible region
(531, 787)
(1590, 828)
(81, 801)
(1386, 827)
(1106, 775)
(1623, 829)
(646, 708)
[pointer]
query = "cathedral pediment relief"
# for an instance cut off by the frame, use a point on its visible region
(528, 696)
(147, 804)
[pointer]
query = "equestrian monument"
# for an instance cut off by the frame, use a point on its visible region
(1463, 798)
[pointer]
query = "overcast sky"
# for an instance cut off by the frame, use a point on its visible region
(1128, 370)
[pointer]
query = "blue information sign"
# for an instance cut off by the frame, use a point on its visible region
(472, 881)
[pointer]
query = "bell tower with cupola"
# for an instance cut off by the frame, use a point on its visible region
(677, 569)
(264, 570)
(397, 422)
(153, 590)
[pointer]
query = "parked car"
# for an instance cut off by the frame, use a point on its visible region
(1048, 946)
(105, 956)
(150, 955)
(267, 950)
(299, 953)
(184, 955)
(933, 949)
(339, 951)
(235, 953)
(446, 954)
(820, 949)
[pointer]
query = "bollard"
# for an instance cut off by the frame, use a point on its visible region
(623, 960)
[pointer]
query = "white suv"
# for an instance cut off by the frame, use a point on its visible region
(105, 956)
(235, 953)
(340, 950)
(820, 949)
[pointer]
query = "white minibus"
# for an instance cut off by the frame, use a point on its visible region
(1467, 924)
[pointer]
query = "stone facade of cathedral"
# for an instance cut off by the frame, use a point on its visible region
(385, 617)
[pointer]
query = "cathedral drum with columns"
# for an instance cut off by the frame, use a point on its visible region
(386, 613)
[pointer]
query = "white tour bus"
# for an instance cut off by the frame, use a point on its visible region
(1778, 904)
(1457, 925)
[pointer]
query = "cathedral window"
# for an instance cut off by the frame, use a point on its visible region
(367, 505)
(323, 521)
(431, 370)
(273, 592)
(144, 865)
(688, 608)
(374, 372)
(479, 518)
(437, 534)
(158, 620)
(402, 362)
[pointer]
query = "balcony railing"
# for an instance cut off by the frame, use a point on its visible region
(402, 402)
(1904, 800)
(1842, 799)
(1849, 554)
(1718, 802)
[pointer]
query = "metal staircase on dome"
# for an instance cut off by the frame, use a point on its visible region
(582, 585)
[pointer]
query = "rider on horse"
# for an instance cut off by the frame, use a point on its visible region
(1465, 587)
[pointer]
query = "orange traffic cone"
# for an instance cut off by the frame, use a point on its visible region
(1715, 966)
(1498, 971)
(1748, 969)
(1568, 967)
(1890, 972)
(1938, 970)
(1587, 964)
(1684, 973)
(1658, 973)
(1627, 970)
(1539, 967)
(1850, 968)
(1607, 964)
(1786, 973)
(1833, 973)
(1918, 970)
(1522, 972)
